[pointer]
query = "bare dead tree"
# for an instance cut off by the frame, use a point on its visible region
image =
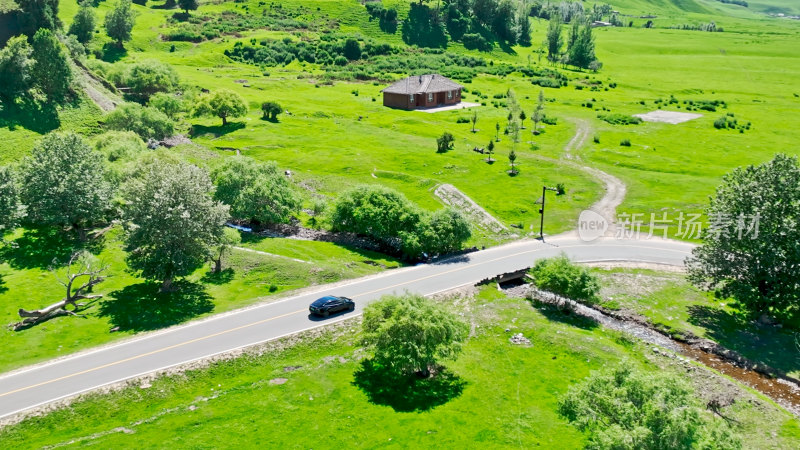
(82, 274)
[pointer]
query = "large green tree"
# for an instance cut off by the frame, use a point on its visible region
(622, 408)
(442, 232)
(411, 333)
(223, 103)
(145, 78)
(83, 23)
(554, 40)
(37, 14)
(750, 251)
(119, 22)
(15, 68)
(255, 190)
(147, 122)
(51, 69)
(375, 211)
(580, 52)
(561, 276)
(187, 5)
(171, 219)
(11, 208)
(64, 182)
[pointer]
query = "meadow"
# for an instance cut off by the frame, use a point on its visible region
(496, 394)
(337, 133)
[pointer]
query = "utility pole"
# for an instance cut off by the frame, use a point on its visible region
(541, 211)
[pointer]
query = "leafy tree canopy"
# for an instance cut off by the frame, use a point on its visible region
(255, 190)
(83, 23)
(147, 122)
(15, 67)
(51, 70)
(622, 408)
(375, 211)
(223, 104)
(750, 252)
(11, 208)
(411, 333)
(119, 22)
(563, 277)
(64, 183)
(171, 220)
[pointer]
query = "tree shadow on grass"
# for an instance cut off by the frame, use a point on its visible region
(113, 53)
(142, 307)
(221, 277)
(38, 248)
(3, 287)
(566, 316)
(764, 344)
(407, 393)
(41, 117)
(216, 130)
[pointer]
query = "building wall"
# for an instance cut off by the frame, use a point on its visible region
(401, 101)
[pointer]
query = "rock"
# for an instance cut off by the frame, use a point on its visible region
(192, 407)
(519, 339)
(145, 385)
(278, 381)
(291, 368)
(508, 329)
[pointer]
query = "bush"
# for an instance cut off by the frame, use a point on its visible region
(620, 119)
(119, 145)
(166, 103)
(148, 123)
(625, 142)
(474, 41)
(623, 408)
(444, 142)
(462, 120)
(442, 232)
(375, 211)
(561, 276)
(146, 78)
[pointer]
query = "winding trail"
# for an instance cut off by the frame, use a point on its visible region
(615, 188)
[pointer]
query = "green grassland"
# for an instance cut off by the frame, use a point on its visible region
(498, 395)
(132, 305)
(670, 303)
(334, 138)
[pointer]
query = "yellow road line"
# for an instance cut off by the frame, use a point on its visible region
(274, 318)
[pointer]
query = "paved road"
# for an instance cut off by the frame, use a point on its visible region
(39, 385)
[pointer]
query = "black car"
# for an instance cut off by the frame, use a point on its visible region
(329, 304)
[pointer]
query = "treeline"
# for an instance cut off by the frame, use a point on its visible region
(735, 2)
(478, 24)
(580, 46)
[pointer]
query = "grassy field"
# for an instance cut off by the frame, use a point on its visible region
(132, 305)
(668, 301)
(305, 394)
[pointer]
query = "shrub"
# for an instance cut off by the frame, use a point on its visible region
(375, 211)
(625, 142)
(621, 407)
(166, 103)
(444, 142)
(561, 276)
(119, 145)
(148, 77)
(271, 110)
(620, 119)
(462, 120)
(148, 123)
(474, 41)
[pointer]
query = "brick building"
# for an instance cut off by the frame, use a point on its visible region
(422, 91)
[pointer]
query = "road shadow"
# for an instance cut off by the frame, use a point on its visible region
(216, 130)
(41, 117)
(40, 247)
(407, 393)
(554, 313)
(143, 307)
(766, 344)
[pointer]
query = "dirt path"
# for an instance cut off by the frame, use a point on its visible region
(99, 94)
(615, 188)
(451, 196)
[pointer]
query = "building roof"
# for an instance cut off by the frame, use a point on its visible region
(423, 84)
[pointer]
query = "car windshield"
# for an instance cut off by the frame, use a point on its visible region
(323, 301)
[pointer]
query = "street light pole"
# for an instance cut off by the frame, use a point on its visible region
(541, 211)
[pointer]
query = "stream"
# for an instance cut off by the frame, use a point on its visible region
(784, 392)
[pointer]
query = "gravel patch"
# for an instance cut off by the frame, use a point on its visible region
(671, 117)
